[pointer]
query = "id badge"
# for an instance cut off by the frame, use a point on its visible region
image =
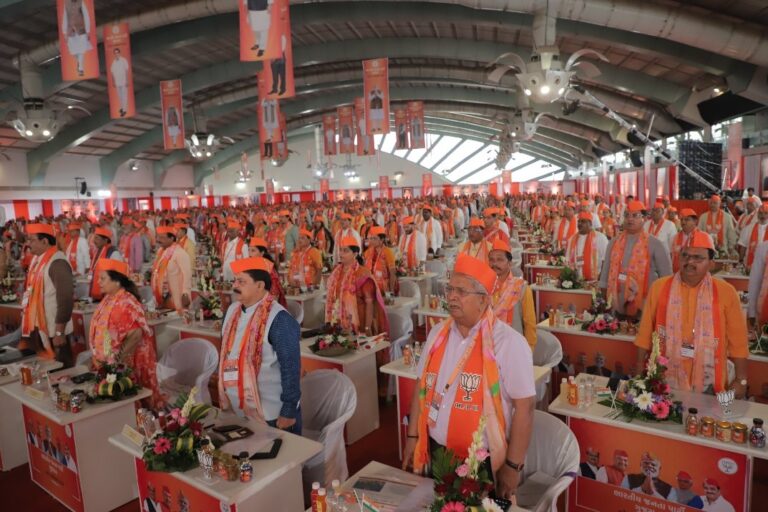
(434, 409)
(622, 277)
(687, 350)
(379, 274)
(25, 300)
(231, 374)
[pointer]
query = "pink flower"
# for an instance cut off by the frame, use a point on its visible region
(600, 324)
(162, 445)
(462, 470)
(481, 454)
(660, 410)
(663, 361)
(175, 413)
(183, 421)
(453, 506)
(591, 328)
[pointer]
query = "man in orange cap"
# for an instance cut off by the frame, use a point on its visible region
(713, 499)
(473, 365)
(700, 324)
(288, 236)
(413, 245)
(565, 228)
(76, 249)
(171, 272)
(432, 229)
(344, 231)
(493, 228)
(233, 249)
(585, 251)
(102, 239)
(186, 243)
(586, 207)
(46, 306)
(753, 235)
(718, 222)
(664, 230)
(539, 212)
(689, 222)
(306, 264)
(259, 360)
(673, 216)
(476, 245)
(512, 298)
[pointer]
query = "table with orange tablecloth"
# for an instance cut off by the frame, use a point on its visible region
(549, 296)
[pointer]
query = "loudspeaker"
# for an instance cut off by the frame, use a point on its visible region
(636, 158)
(745, 143)
(83, 187)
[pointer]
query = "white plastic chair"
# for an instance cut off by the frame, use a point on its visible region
(146, 294)
(551, 464)
(84, 358)
(547, 352)
(328, 401)
(81, 290)
(296, 309)
(517, 261)
(194, 360)
(11, 338)
(410, 289)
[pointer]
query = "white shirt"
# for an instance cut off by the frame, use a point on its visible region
(230, 255)
(601, 243)
(756, 278)
(602, 476)
(666, 233)
(746, 234)
(515, 363)
(421, 245)
(435, 235)
(719, 505)
(82, 256)
(119, 70)
(596, 221)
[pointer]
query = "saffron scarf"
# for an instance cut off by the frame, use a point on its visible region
(377, 264)
(588, 261)
(341, 303)
(562, 234)
(34, 311)
(481, 252)
(655, 227)
(716, 228)
(301, 267)
(408, 250)
(753, 241)
(636, 274)
(72, 252)
(159, 269)
(506, 295)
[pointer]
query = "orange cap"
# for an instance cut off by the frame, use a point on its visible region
(106, 233)
(166, 230)
(688, 212)
(182, 216)
(672, 209)
(73, 226)
(476, 269)
(128, 222)
(635, 206)
(658, 204)
(585, 216)
(715, 197)
(764, 207)
(180, 226)
(490, 211)
(584, 202)
(284, 213)
(408, 220)
(258, 242)
(346, 216)
(474, 222)
(233, 224)
(110, 264)
(305, 232)
(349, 241)
(501, 245)
(570, 204)
(255, 263)
(376, 231)
(701, 239)
(41, 229)
(319, 218)
(427, 207)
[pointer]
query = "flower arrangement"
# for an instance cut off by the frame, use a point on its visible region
(569, 279)
(400, 269)
(760, 344)
(327, 262)
(648, 397)
(335, 343)
(7, 291)
(174, 446)
(463, 485)
(600, 318)
(114, 382)
(210, 300)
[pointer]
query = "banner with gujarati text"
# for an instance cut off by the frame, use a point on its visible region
(401, 128)
(346, 129)
(117, 56)
(426, 184)
(365, 143)
(416, 131)
(376, 95)
(172, 109)
(78, 40)
(264, 29)
(329, 134)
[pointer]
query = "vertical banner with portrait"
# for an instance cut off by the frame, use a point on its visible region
(78, 41)
(346, 129)
(265, 29)
(506, 182)
(329, 134)
(733, 169)
(416, 129)
(278, 71)
(53, 458)
(160, 491)
(376, 95)
(385, 191)
(365, 143)
(282, 144)
(173, 114)
(401, 128)
(325, 188)
(426, 184)
(619, 467)
(117, 56)
(268, 115)
(269, 186)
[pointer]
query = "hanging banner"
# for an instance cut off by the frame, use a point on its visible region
(384, 190)
(329, 134)
(426, 184)
(506, 182)
(365, 145)
(376, 94)
(416, 130)
(173, 114)
(278, 72)
(244, 163)
(346, 129)
(268, 114)
(78, 42)
(282, 144)
(117, 55)
(733, 172)
(324, 187)
(263, 26)
(401, 128)
(269, 186)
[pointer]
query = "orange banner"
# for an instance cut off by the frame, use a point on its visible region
(376, 94)
(53, 458)
(278, 72)
(173, 114)
(384, 190)
(416, 129)
(268, 114)
(329, 134)
(117, 55)
(77, 40)
(282, 144)
(269, 186)
(685, 476)
(265, 29)
(324, 187)
(365, 144)
(401, 128)
(160, 492)
(506, 182)
(346, 129)
(426, 184)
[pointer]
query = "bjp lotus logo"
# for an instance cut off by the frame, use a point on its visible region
(469, 383)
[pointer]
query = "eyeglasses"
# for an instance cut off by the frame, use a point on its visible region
(461, 292)
(635, 215)
(696, 258)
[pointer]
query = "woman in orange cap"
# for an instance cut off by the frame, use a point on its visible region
(354, 300)
(321, 236)
(119, 331)
(380, 260)
(259, 247)
(102, 239)
(306, 265)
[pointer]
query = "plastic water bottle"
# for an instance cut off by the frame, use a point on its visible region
(582, 392)
(589, 394)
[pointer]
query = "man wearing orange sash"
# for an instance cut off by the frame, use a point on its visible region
(233, 249)
(306, 264)
(380, 260)
(719, 224)
(289, 234)
(259, 360)
(512, 298)
(473, 365)
(689, 221)
(700, 324)
(540, 212)
(615, 474)
(413, 245)
(46, 306)
(748, 217)
(322, 236)
(564, 228)
(432, 229)
(76, 250)
(634, 260)
(585, 251)
(492, 225)
(171, 272)
(586, 207)
(184, 241)
(609, 224)
(660, 227)
(476, 245)
(344, 231)
(131, 247)
(102, 239)
(752, 235)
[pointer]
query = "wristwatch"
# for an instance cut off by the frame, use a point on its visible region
(58, 333)
(743, 382)
(516, 467)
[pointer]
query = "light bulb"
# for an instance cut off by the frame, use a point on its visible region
(46, 133)
(209, 142)
(195, 140)
(560, 91)
(28, 133)
(514, 134)
(208, 154)
(240, 185)
(527, 91)
(544, 90)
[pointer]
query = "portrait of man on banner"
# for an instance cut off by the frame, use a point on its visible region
(269, 126)
(365, 145)
(416, 124)
(346, 129)
(329, 135)
(117, 55)
(173, 117)
(376, 89)
(401, 129)
(77, 40)
(263, 24)
(278, 72)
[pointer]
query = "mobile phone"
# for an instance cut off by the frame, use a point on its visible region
(221, 429)
(505, 504)
(83, 377)
(271, 454)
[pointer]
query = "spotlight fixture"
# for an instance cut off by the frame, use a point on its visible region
(35, 121)
(133, 166)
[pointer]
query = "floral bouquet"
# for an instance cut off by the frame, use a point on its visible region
(400, 268)
(8, 290)
(569, 279)
(599, 318)
(335, 343)
(463, 485)
(210, 300)
(114, 382)
(648, 397)
(174, 446)
(760, 344)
